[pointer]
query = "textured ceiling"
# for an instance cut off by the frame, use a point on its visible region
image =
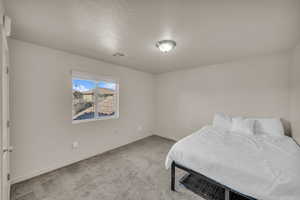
(206, 31)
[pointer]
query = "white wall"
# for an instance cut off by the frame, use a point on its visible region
(1, 8)
(254, 87)
(185, 100)
(42, 132)
(295, 94)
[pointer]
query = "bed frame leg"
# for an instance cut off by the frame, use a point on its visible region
(173, 176)
(227, 194)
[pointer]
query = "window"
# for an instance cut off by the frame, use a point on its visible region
(94, 98)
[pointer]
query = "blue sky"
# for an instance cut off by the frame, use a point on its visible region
(85, 85)
(107, 85)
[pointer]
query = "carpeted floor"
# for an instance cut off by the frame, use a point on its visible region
(133, 172)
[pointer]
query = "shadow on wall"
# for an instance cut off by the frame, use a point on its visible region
(287, 127)
(288, 130)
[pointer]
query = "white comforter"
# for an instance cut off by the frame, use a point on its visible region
(261, 166)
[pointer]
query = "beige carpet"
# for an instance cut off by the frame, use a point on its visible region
(133, 172)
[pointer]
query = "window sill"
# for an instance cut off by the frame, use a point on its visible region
(94, 119)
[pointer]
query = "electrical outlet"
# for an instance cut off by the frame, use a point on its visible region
(75, 145)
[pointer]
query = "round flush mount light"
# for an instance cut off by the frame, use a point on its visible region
(166, 45)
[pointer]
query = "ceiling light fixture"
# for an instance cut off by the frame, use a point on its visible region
(166, 45)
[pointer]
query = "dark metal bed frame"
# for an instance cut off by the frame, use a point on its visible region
(227, 189)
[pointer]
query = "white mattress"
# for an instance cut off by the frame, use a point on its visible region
(261, 166)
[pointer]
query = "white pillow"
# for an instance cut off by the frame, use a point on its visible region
(242, 125)
(222, 121)
(270, 126)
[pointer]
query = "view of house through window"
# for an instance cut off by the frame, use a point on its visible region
(94, 99)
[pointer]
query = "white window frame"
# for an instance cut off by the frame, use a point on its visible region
(96, 78)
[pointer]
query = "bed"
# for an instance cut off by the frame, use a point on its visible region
(263, 167)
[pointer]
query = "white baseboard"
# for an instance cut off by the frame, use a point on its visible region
(43, 171)
(66, 163)
(168, 137)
